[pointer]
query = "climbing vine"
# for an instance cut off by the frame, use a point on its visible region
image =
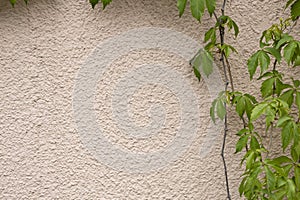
(266, 176)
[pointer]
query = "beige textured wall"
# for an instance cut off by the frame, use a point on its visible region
(43, 47)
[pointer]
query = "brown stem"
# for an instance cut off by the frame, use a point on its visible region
(222, 33)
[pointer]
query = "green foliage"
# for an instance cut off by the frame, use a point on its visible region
(197, 7)
(13, 2)
(104, 3)
(265, 177)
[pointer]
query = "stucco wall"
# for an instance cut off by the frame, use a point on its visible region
(42, 152)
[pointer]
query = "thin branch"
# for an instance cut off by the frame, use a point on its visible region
(222, 33)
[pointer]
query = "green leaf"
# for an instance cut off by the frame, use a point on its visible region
(275, 52)
(283, 120)
(289, 51)
(288, 97)
(281, 160)
(94, 2)
(297, 61)
(298, 100)
(249, 106)
(210, 34)
(286, 135)
(242, 142)
(181, 6)
(258, 110)
(202, 61)
(271, 180)
(221, 111)
(250, 160)
(212, 111)
(267, 87)
(285, 39)
(13, 2)
(291, 189)
(197, 8)
(295, 10)
(206, 62)
(289, 3)
(264, 61)
(197, 73)
(236, 28)
(252, 64)
(105, 3)
(211, 5)
(254, 144)
(297, 176)
(227, 49)
(240, 106)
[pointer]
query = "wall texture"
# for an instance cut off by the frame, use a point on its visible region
(43, 48)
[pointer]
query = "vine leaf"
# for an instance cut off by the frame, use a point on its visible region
(258, 110)
(295, 10)
(203, 60)
(105, 3)
(197, 8)
(275, 52)
(211, 5)
(241, 144)
(181, 4)
(289, 51)
(94, 3)
(218, 105)
(271, 180)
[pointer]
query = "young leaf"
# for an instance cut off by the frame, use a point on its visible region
(197, 8)
(181, 6)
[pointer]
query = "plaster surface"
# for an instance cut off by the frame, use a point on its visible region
(43, 47)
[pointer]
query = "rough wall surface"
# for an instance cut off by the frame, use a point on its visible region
(44, 45)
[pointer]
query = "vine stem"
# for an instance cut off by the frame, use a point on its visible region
(222, 34)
